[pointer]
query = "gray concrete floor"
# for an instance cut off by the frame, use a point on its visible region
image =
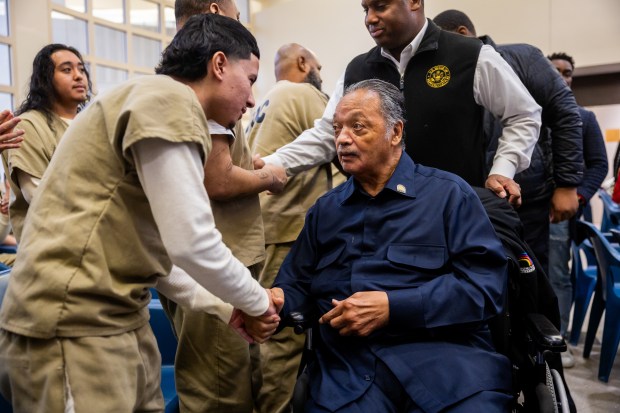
(590, 394)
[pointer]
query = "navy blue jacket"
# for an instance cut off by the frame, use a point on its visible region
(426, 240)
(594, 155)
(557, 160)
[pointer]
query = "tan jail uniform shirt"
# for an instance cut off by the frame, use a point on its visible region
(33, 158)
(84, 268)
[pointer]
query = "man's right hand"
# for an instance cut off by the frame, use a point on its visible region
(259, 329)
(279, 178)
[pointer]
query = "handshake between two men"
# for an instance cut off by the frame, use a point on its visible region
(360, 314)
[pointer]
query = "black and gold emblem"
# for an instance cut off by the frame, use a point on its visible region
(438, 76)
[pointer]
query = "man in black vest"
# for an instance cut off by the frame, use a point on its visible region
(549, 185)
(446, 80)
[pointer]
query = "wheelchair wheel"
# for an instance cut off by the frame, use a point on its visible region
(560, 392)
(545, 394)
(551, 393)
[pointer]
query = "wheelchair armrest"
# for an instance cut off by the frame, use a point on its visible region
(299, 322)
(544, 334)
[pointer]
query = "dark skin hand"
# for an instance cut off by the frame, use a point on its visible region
(360, 314)
(503, 186)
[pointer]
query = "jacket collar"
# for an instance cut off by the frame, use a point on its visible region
(430, 42)
(486, 39)
(401, 182)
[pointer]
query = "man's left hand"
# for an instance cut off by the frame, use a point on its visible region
(360, 314)
(503, 187)
(564, 204)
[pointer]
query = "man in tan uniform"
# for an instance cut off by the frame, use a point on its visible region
(59, 87)
(213, 366)
(101, 232)
(288, 109)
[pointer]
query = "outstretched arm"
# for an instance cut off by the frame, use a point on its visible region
(313, 147)
(497, 88)
(224, 180)
(187, 227)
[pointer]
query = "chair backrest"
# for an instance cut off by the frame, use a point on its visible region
(611, 212)
(162, 329)
(615, 234)
(607, 256)
(4, 283)
(587, 250)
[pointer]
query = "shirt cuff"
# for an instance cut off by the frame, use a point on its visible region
(274, 159)
(406, 308)
(503, 167)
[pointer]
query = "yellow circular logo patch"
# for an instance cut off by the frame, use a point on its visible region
(438, 76)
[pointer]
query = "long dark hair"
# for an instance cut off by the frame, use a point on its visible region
(41, 92)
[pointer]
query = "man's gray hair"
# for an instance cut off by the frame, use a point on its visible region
(391, 101)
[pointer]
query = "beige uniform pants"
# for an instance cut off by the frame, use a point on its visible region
(214, 366)
(280, 355)
(119, 373)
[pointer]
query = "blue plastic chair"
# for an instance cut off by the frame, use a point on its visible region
(585, 281)
(606, 299)
(8, 249)
(4, 283)
(611, 212)
(167, 343)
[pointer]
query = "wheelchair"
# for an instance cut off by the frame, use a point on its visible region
(526, 332)
(537, 388)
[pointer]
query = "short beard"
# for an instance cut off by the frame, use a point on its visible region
(314, 79)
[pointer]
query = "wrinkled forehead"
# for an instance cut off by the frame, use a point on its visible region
(360, 102)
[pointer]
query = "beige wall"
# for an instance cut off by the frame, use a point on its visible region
(31, 31)
(334, 29)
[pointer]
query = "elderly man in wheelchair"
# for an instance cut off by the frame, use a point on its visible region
(402, 269)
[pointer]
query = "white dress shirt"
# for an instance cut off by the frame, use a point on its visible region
(496, 87)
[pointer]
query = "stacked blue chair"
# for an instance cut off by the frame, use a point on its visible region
(167, 343)
(611, 212)
(585, 281)
(4, 283)
(606, 299)
(5, 273)
(8, 249)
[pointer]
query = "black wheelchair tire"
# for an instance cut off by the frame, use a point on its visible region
(560, 392)
(545, 394)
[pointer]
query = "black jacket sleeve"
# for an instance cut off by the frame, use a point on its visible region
(559, 110)
(594, 155)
